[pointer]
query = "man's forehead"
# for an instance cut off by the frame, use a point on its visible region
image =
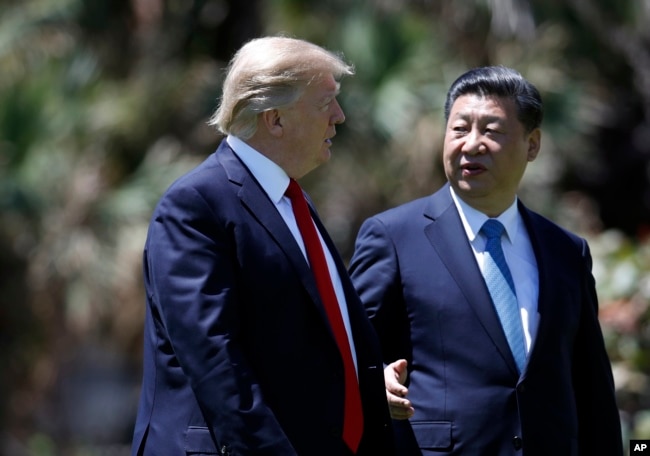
(477, 102)
(325, 84)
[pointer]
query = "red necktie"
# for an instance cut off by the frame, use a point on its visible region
(353, 418)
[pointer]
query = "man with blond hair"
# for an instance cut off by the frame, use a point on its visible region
(255, 341)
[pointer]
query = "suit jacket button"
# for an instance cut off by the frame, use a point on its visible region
(521, 389)
(517, 442)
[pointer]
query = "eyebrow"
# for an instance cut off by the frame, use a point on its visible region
(485, 118)
(331, 94)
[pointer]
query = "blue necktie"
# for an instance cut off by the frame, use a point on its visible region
(502, 289)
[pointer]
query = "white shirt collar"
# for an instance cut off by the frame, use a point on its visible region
(473, 219)
(273, 179)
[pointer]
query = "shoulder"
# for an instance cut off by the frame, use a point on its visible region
(209, 173)
(427, 207)
(204, 191)
(416, 212)
(546, 231)
(198, 182)
(217, 172)
(398, 213)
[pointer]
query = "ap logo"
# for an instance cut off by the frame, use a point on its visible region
(639, 447)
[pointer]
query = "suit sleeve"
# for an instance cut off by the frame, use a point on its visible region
(191, 281)
(374, 269)
(599, 422)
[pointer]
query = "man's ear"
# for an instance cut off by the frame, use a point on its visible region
(272, 121)
(534, 143)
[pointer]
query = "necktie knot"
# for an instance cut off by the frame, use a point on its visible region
(492, 229)
(294, 191)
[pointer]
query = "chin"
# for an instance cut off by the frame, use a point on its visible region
(462, 186)
(326, 155)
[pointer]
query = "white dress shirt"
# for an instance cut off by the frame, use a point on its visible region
(519, 256)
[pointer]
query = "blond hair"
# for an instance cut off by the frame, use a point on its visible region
(270, 73)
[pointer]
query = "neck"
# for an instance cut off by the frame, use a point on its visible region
(487, 205)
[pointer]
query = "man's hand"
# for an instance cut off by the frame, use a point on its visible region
(394, 378)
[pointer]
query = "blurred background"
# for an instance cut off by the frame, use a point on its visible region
(104, 102)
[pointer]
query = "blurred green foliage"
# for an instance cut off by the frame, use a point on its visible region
(104, 102)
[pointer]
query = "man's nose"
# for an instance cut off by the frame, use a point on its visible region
(338, 116)
(473, 143)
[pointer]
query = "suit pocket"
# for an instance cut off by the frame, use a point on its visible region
(198, 440)
(432, 435)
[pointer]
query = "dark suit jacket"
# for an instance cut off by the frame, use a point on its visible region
(418, 278)
(238, 354)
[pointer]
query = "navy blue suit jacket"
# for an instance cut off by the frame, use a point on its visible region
(418, 278)
(238, 355)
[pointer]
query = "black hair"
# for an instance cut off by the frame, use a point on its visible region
(501, 82)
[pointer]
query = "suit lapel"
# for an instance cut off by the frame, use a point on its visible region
(351, 296)
(358, 318)
(356, 312)
(257, 202)
(456, 253)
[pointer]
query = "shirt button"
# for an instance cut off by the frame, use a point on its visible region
(517, 442)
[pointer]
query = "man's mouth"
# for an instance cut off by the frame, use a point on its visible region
(472, 168)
